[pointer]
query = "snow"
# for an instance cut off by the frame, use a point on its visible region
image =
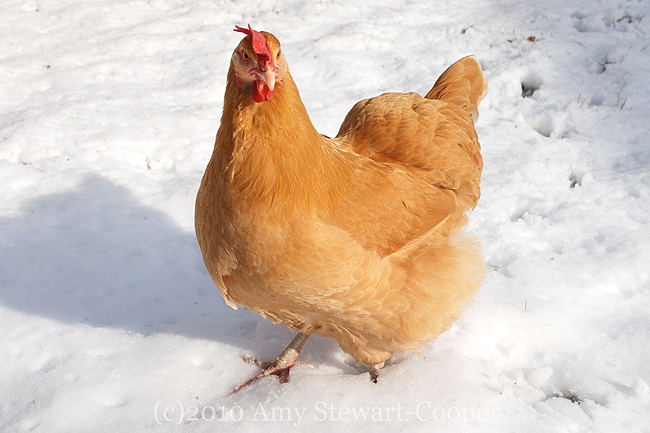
(109, 321)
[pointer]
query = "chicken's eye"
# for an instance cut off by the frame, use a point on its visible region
(245, 56)
(279, 54)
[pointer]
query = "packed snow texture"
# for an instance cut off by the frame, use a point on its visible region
(109, 321)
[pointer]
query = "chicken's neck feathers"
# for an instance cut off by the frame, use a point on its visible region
(270, 154)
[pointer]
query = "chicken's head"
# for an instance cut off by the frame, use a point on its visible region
(258, 63)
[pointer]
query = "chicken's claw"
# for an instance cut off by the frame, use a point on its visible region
(282, 364)
(374, 371)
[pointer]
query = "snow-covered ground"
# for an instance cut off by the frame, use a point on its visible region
(109, 321)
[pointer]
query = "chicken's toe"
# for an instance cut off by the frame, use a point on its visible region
(374, 371)
(282, 364)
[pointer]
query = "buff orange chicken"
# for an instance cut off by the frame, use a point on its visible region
(360, 238)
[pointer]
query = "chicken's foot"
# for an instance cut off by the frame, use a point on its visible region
(374, 371)
(282, 363)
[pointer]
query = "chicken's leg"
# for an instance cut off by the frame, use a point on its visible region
(282, 363)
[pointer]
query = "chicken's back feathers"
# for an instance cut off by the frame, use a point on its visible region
(432, 137)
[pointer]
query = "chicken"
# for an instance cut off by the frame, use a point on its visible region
(359, 238)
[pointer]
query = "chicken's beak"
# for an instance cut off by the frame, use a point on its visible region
(268, 76)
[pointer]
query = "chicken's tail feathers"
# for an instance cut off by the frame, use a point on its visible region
(462, 84)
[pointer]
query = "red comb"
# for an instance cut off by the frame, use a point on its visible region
(259, 43)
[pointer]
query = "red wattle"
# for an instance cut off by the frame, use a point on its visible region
(258, 96)
(261, 92)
